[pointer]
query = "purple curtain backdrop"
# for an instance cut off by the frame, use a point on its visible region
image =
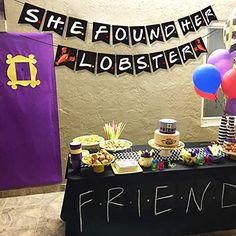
(29, 130)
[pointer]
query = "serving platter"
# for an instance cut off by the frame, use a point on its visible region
(89, 140)
(152, 144)
(98, 160)
(116, 145)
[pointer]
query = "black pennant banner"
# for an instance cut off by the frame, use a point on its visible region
(186, 25)
(158, 61)
(154, 33)
(138, 35)
(118, 64)
(31, 15)
(209, 14)
(198, 46)
(198, 20)
(186, 52)
(77, 28)
(54, 22)
(124, 63)
(101, 32)
(86, 61)
(66, 56)
(120, 34)
(173, 57)
(142, 63)
(129, 35)
(106, 63)
(169, 30)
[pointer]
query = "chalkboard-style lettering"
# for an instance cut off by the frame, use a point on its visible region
(160, 198)
(191, 193)
(223, 205)
(80, 207)
(110, 200)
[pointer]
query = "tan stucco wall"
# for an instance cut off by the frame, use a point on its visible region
(87, 101)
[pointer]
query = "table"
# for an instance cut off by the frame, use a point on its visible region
(176, 201)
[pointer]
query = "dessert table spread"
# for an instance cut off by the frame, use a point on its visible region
(176, 201)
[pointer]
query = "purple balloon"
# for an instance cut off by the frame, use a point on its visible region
(222, 59)
(230, 107)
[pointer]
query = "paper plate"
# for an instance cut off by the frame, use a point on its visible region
(89, 140)
(152, 144)
(116, 145)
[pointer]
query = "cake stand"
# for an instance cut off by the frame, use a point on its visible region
(165, 151)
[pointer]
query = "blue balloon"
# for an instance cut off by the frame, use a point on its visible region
(207, 78)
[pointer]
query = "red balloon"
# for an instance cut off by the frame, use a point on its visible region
(208, 96)
(228, 83)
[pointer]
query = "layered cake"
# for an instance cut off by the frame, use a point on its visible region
(127, 165)
(167, 135)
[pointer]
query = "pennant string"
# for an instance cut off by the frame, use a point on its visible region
(210, 33)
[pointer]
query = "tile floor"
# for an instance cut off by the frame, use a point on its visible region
(39, 215)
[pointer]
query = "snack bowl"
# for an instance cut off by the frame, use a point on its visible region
(145, 161)
(98, 160)
(146, 157)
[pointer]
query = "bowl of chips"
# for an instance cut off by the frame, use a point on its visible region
(89, 141)
(115, 145)
(98, 160)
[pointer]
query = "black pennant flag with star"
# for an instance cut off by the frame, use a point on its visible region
(209, 15)
(173, 57)
(158, 61)
(106, 63)
(124, 63)
(142, 63)
(31, 15)
(101, 32)
(77, 28)
(120, 34)
(169, 30)
(54, 22)
(138, 35)
(154, 33)
(86, 61)
(186, 25)
(198, 20)
(186, 52)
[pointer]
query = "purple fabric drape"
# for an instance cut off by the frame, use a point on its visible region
(29, 130)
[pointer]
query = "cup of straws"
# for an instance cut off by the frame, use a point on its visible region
(113, 131)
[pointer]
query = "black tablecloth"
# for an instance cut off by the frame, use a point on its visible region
(175, 201)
